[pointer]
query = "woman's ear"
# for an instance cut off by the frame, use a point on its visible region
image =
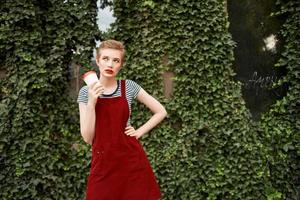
(98, 60)
(123, 64)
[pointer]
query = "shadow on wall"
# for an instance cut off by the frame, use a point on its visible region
(258, 47)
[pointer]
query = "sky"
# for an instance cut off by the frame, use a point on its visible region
(104, 18)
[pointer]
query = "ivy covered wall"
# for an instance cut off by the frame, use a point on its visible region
(280, 127)
(212, 149)
(39, 157)
(207, 148)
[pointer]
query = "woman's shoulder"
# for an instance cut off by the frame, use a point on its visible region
(83, 89)
(130, 82)
(132, 88)
(83, 95)
(83, 92)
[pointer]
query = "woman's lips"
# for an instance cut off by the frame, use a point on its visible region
(109, 71)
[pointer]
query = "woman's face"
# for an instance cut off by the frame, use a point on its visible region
(109, 62)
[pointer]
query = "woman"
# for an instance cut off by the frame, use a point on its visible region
(120, 169)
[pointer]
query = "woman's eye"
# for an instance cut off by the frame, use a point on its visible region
(116, 60)
(105, 58)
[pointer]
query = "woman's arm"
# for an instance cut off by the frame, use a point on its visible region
(87, 113)
(87, 122)
(159, 113)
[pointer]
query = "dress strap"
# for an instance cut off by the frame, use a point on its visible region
(123, 88)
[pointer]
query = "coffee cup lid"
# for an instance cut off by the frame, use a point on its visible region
(88, 73)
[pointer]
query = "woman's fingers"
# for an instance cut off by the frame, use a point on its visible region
(130, 131)
(97, 86)
(96, 89)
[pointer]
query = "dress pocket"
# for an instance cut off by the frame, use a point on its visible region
(97, 161)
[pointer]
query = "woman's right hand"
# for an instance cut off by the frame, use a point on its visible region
(94, 91)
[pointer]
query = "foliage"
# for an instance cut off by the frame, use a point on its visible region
(281, 125)
(210, 149)
(40, 158)
(207, 148)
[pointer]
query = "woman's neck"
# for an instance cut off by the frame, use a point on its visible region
(108, 82)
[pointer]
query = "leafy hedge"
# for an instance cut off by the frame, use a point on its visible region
(39, 123)
(281, 125)
(210, 150)
(208, 147)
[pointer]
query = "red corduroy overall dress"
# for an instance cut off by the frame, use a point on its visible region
(120, 169)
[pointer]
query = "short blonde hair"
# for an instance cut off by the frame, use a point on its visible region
(112, 44)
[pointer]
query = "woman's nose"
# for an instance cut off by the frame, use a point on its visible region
(110, 63)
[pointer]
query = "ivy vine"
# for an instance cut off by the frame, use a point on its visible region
(212, 147)
(41, 157)
(207, 148)
(281, 125)
(210, 150)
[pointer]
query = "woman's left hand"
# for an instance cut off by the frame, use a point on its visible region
(130, 131)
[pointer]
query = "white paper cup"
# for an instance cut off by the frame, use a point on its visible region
(90, 77)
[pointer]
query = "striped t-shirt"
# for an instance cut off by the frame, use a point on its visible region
(132, 90)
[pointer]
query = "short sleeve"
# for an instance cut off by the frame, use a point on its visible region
(83, 95)
(132, 89)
